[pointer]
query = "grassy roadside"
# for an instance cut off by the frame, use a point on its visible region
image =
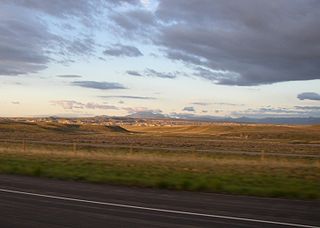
(288, 178)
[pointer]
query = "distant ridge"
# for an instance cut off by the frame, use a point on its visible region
(269, 120)
(147, 115)
(283, 120)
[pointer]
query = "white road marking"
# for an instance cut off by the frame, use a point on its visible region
(157, 209)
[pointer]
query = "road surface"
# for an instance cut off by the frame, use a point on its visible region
(38, 202)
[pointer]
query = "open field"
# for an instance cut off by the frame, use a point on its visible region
(81, 156)
(233, 137)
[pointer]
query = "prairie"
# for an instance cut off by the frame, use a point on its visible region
(195, 158)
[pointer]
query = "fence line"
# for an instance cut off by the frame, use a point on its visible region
(76, 145)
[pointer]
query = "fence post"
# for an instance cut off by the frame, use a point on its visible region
(262, 155)
(24, 145)
(74, 147)
(4, 145)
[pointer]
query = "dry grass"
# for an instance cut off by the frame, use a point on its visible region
(254, 138)
(293, 178)
(193, 160)
(187, 170)
(252, 131)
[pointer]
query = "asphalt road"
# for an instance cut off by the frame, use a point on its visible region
(35, 202)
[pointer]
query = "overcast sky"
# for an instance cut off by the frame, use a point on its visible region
(252, 58)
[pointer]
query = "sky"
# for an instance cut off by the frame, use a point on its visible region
(234, 58)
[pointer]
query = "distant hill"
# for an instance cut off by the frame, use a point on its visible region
(288, 120)
(12, 126)
(209, 118)
(147, 115)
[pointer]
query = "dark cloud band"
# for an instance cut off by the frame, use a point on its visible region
(130, 97)
(309, 96)
(98, 85)
(120, 50)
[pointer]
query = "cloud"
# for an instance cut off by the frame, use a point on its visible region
(216, 103)
(297, 111)
(15, 102)
(274, 110)
(153, 73)
(133, 73)
(130, 97)
(134, 20)
(216, 76)
(201, 103)
(22, 41)
(140, 109)
(145, 2)
(242, 43)
(309, 96)
(308, 107)
(227, 104)
(189, 109)
(68, 104)
(81, 46)
(92, 105)
(34, 33)
(70, 8)
(71, 104)
(234, 38)
(69, 76)
(98, 85)
(120, 50)
(178, 55)
(59, 8)
(27, 41)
